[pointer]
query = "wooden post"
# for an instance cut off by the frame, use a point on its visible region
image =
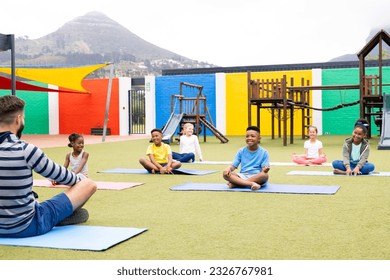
(249, 98)
(273, 123)
(380, 64)
(279, 124)
(361, 84)
(283, 92)
(291, 124)
(204, 111)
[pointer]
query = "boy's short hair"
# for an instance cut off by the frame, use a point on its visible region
(156, 129)
(252, 127)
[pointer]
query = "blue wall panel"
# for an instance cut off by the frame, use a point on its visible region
(166, 86)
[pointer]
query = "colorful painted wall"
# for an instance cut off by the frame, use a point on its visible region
(166, 86)
(342, 120)
(336, 122)
(65, 113)
(36, 110)
(81, 112)
(227, 102)
(237, 102)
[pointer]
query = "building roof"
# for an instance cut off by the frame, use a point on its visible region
(268, 68)
(380, 36)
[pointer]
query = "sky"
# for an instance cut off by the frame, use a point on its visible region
(221, 32)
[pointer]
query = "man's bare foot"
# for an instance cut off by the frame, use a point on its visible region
(255, 186)
(230, 185)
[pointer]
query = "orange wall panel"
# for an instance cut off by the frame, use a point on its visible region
(80, 112)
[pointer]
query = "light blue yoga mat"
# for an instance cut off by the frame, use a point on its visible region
(268, 188)
(181, 171)
(330, 173)
(77, 237)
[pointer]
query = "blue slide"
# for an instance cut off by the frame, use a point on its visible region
(171, 127)
(384, 143)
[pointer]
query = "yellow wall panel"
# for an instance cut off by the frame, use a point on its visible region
(237, 102)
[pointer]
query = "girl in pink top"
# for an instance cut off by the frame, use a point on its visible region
(313, 150)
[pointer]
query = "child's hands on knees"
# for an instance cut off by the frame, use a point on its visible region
(356, 171)
(227, 172)
(168, 169)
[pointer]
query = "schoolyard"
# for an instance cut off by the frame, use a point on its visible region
(353, 224)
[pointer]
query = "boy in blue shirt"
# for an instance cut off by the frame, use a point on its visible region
(254, 161)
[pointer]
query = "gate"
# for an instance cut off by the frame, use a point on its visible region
(137, 111)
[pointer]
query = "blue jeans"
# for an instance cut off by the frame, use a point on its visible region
(366, 168)
(47, 215)
(186, 157)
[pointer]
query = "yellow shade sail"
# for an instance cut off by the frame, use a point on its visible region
(69, 78)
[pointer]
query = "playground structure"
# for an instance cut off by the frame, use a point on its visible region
(282, 98)
(190, 110)
(275, 95)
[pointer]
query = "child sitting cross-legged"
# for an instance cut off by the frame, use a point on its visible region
(313, 150)
(254, 161)
(159, 155)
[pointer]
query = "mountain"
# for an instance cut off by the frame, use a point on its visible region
(373, 54)
(95, 38)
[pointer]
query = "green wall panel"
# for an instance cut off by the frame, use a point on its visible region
(341, 121)
(36, 110)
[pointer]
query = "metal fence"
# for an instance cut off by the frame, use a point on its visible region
(137, 111)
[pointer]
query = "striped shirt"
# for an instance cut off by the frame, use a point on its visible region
(18, 160)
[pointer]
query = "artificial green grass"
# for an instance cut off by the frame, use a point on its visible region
(352, 224)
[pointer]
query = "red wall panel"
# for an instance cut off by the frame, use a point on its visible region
(80, 112)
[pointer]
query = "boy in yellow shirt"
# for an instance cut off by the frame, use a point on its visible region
(159, 155)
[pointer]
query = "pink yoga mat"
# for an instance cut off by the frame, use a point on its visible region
(117, 186)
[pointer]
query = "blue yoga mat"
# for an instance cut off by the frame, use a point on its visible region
(330, 173)
(77, 237)
(268, 188)
(181, 171)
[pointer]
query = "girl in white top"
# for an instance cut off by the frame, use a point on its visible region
(313, 150)
(189, 145)
(78, 159)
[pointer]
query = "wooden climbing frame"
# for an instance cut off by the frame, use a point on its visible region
(280, 98)
(195, 111)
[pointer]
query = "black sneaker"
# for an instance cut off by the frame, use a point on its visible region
(79, 216)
